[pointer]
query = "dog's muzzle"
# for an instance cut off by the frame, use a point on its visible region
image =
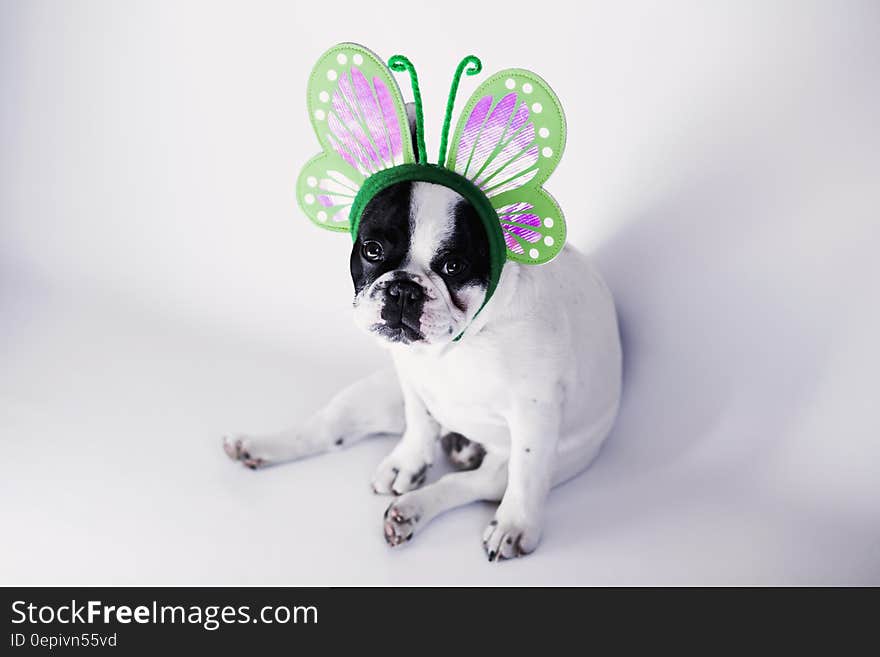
(402, 311)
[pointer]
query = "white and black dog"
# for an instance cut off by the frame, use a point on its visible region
(521, 402)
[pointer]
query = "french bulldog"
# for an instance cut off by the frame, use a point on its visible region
(520, 394)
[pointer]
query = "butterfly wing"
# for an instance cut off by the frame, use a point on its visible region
(508, 141)
(359, 116)
(532, 224)
(326, 189)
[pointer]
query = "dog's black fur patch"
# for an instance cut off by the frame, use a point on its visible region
(468, 242)
(386, 219)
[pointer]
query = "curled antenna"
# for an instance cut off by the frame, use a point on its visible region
(470, 65)
(400, 64)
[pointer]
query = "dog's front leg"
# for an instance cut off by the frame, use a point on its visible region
(406, 467)
(519, 521)
(371, 406)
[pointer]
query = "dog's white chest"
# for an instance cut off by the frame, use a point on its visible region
(462, 390)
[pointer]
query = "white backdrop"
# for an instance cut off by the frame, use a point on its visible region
(158, 287)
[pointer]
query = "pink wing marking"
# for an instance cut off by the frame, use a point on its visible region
(372, 116)
(343, 151)
(527, 234)
(331, 200)
(345, 144)
(525, 219)
(504, 149)
(354, 120)
(391, 120)
(470, 133)
(491, 134)
(338, 121)
(512, 244)
(519, 213)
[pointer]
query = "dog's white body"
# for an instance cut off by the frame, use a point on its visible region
(535, 379)
(549, 336)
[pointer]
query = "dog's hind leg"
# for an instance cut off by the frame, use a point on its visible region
(412, 511)
(369, 407)
(463, 454)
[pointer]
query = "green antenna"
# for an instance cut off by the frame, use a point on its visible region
(474, 66)
(400, 63)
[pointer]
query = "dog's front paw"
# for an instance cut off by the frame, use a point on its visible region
(245, 450)
(404, 469)
(401, 519)
(506, 537)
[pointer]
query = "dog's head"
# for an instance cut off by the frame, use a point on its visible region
(420, 264)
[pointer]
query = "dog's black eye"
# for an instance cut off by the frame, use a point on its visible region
(454, 266)
(372, 251)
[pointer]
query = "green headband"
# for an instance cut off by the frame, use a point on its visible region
(508, 141)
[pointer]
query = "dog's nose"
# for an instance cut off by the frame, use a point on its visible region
(405, 291)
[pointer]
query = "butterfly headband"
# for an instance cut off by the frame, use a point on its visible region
(507, 142)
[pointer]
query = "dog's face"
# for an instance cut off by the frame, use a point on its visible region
(420, 264)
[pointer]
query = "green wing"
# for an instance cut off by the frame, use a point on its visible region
(508, 141)
(359, 117)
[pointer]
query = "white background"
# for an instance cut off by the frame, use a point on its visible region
(159, 287)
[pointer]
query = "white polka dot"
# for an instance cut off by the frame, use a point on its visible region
(319, 114)
(533, 253)
(548, 241)
(342, 59)
(548, 221)
(527, 88)
(324, 96)
(546, 151)
(311, 181)
(331, 75)
(322, 216)
(509, 83)
(358, 59)
(537, 108)
(310, 198)
(544, 132)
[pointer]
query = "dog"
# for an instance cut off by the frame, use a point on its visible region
(520, 394)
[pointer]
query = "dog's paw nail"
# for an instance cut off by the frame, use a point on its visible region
(401, 518)
(232, 448)
(399, 473)
(505, 540)
(242, 449)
